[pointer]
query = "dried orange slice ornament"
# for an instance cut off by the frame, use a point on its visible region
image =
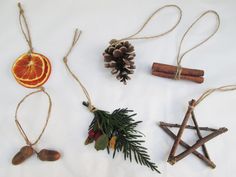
(31, 70)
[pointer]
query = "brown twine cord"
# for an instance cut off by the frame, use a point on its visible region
(21, 130)
(65, 59)
(23, 23)
(210, 91)
(132, 37)
(180, 57)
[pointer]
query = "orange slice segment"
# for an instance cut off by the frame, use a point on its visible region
(28, 67)
(39, 82)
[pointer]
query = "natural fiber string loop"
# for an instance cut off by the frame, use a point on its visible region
(65, 59)
(23, 23)
(180, 57)
(21, 130)
(210, 91)
(132, 37)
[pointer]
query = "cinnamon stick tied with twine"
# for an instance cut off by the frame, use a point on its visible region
(178, 72)
(169, 71)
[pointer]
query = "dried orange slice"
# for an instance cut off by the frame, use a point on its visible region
(28, 67)
(34, 83)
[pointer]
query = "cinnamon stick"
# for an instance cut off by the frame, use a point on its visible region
(164, 68)
(199, 79)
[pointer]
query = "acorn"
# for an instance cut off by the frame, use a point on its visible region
(48, 155)
(24, 153)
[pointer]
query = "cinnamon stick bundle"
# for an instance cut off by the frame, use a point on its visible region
(170, 71)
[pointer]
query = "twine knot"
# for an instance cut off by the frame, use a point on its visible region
(42, 88)
(178, 73)
(92, 108)
(30, 51)
(191, 106)
(89, 106)
(113, 41)
(21, 9)
(65, 59)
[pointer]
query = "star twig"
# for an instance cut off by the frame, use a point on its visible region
(172, 159)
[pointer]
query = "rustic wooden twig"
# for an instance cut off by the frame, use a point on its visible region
(182, 143)
(199, 143)
(187, 126)
(204, 149)
(173, 158)
(181, 130)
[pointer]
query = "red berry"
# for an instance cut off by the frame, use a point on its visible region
(91, 133)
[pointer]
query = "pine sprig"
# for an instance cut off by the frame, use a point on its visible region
(128, 140)
(122, 125)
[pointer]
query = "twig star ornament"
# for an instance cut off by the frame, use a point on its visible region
(173, 158)
(178, 72)
(114, 130)
(120, 54)
(32, 70)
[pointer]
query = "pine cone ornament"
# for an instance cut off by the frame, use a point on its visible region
(119, 57)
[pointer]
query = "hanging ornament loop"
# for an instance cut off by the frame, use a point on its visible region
(210, 91)
(114, 130)
(133, 36)
(32, 70)
(25, 28)
(20, 128)
(65, 59)
(180, 56)
(181, 73)
(120, 54)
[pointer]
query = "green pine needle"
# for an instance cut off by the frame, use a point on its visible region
(120, 124)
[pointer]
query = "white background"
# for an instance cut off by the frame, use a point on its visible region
(154, 99)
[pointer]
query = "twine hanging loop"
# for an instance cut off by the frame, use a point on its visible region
(25, 28)
(18, 124)
(180, 56)
(65, 59)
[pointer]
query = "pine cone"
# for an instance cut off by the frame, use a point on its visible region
(119, 57)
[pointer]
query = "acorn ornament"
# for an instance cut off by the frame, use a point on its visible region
(32, 70)
(119, 56)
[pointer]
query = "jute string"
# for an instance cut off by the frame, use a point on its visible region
(24, 26)
(180, 56)
(19, 126)
(65, 59)
(132, 37)
(26, 32)
(210, 91)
